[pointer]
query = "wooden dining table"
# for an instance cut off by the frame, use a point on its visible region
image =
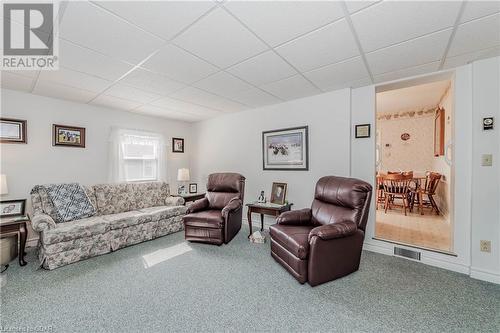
(417, 178)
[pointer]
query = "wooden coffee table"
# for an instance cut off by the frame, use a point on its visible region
(265, 209)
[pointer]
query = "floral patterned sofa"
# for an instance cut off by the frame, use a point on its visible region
(126, 214)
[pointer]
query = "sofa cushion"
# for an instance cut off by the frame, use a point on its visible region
(205, 219)
(75, 229)
(163, 212)
(126, 219)
(114, 198)
(293, 238)
(150, 194)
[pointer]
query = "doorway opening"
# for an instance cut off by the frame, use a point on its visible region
(415, 174)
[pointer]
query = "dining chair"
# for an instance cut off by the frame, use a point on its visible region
(396, 186)
(429, 188)
(380, 191)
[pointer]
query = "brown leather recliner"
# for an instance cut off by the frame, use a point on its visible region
(216, 219)
(324, 242)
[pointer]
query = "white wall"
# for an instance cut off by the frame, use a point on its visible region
(38, 162)
(234, 143)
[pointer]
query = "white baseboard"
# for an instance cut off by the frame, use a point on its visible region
(485, 275)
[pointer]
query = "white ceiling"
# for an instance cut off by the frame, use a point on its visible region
(191, 60)
(415, 98)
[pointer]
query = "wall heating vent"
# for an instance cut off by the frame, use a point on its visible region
(399, 251)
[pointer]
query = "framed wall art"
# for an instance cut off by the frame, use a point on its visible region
(12, 130)
(362, 131)
(68, 136)
(11, 208)
(286, 149)
(439, 132)
(177, 145)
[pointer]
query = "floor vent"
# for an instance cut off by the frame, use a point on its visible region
(399, 251)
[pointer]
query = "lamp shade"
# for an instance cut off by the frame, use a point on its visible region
(4, 189)
(183, 175)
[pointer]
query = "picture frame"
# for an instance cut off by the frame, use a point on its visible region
(439, 132)
(68, 136)
(12, 130)
(278, 193)
(362, 131)
(177, 145)
(286, 149)
(193, 188)
(12, 208)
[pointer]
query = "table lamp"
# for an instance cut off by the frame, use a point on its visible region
(4, 189)
(182, 176)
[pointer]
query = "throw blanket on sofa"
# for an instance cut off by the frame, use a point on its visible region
(70, 201)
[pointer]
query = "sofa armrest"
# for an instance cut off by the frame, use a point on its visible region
(198, 205)
(295, 217)
(232, 206)
(42, 221)
(174, 201)
(334, 230)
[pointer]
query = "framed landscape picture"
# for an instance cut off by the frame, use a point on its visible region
(68, 136)
(286, 149)
(12, 130)
(177, 145)
(10, 208)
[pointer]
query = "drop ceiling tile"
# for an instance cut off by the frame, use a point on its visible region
(255, 98)
(162, 112)
(16, 82)
(408, 72)
(277, 22)
(291, 88)
(163, 18)
(338, 74)
(477, 9)
(220, 39)
(153, 82)
(106, 33)
(179, 65)
(466, 58)
(28, 73)
(84, 60)
(263, 68)
(178, 105)
(50, 89)
(121, 90)
(354, 6)
(75, 79)
(328, 45)
(476, 35)
(200, 97)
(115, 102)
(391, 22)
(222, 84)
(415, 52)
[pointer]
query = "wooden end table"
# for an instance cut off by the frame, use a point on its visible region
(16, 226)
(265, 209)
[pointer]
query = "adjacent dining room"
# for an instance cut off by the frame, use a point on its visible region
(414, 129)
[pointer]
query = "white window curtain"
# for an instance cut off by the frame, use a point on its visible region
(136, 156)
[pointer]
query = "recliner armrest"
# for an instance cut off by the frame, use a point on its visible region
(231, 206)
(295, 217)
(198, 205)
(334, 230)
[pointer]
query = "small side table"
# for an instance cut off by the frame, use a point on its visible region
(191, 196)
(265, 209)
(11, 226)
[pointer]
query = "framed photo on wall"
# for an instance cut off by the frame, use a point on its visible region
(439, 132)
(193, 188)
(362, 131)
(177, 145)
(11, 208)
(68, 136)
(278, 193)
(12, 130)
(286, 149)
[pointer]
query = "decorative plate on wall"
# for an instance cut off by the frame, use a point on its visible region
(405, 136)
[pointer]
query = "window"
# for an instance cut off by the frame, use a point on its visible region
(137, 156)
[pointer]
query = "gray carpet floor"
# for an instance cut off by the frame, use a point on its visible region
(239, 287)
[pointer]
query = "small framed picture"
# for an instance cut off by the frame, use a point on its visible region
(10, 208)
(278, 193)
(177, 145)
(68, 136)
(12, 130)
(362, 131)
(193, 188)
